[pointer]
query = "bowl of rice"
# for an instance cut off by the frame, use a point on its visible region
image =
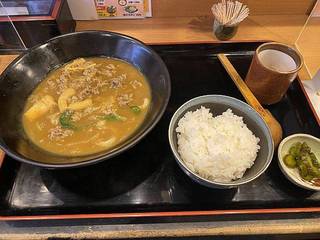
(220, 141)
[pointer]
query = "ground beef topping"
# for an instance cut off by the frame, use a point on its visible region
(125, 99)
(58, 133)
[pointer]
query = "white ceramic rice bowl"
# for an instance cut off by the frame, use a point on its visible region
(219, 104)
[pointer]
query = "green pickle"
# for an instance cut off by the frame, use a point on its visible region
(314, 160)
(298, 146)
(305, 148)
(290, 161)
(308, 177)
(303, 170)
(300, 156)
(293, 151)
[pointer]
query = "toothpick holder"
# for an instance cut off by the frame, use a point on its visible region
(224, 32)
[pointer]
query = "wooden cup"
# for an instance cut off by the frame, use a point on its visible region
(274, 66)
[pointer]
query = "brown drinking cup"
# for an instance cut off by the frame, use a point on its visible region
(274, 66)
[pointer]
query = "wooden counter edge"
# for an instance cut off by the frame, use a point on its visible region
(234, 228)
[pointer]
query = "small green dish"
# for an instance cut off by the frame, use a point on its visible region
(292, 173)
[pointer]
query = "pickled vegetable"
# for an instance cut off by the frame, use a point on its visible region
(314, 160)
(303, 170)
(290, 161)
(301, 157)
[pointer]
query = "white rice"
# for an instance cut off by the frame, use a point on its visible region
(217, 148)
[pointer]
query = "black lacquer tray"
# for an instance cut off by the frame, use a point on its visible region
(146, 181)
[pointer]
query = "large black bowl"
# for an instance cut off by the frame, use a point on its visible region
(28, 70)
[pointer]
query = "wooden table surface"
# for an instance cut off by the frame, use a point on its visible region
(308, 44)
(5, 60)
(282, 28)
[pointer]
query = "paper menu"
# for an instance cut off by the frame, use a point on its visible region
(122, 8)
(109, 9)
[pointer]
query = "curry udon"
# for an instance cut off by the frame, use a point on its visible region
(86, 106)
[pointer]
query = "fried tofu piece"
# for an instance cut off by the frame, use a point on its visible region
(80, 105)
(106, 144)
(63, 99)
(145, 103)
(40, 108)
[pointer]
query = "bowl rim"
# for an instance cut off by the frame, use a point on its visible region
(107, 155)
(284, 169)
(204, 181)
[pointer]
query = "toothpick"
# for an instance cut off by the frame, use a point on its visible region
(230, 12)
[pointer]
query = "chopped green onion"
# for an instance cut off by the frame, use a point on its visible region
(65, 120)
(135, 109)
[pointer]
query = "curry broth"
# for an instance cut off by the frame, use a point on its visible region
(86, 106)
